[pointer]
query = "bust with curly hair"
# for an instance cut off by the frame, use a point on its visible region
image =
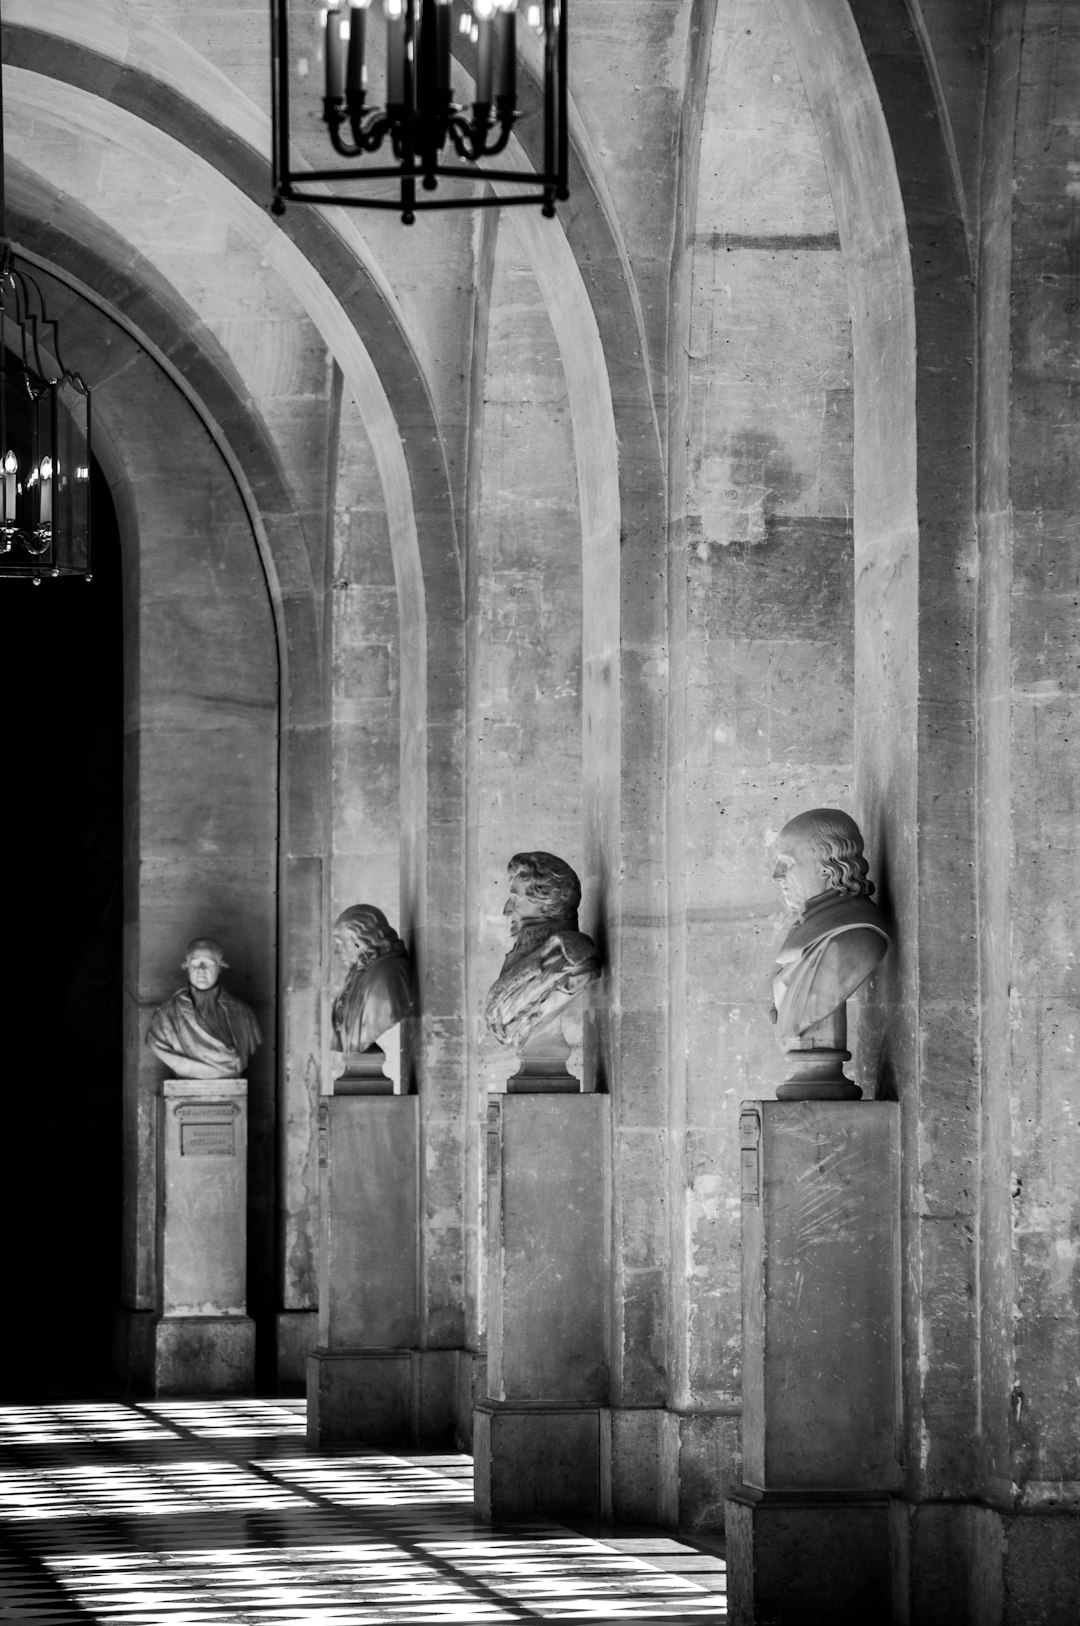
(839, 936)
(550, 962)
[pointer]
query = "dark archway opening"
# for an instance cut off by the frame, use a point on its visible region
(61, 677)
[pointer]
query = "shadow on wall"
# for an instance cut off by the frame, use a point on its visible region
(61, 672)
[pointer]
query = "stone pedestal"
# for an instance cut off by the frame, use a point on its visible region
(809, 1528)
(202, 1342)
(541, 1441)
(360, 1377)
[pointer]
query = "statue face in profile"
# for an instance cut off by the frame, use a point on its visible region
(378, 992)
(550, 962)
(523, 904)
(799, 872)
(351, 947)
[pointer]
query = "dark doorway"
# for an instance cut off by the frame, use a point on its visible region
(61, 798)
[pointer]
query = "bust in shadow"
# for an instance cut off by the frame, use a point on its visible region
(836, 942)
(203, 1031)
(378, 991)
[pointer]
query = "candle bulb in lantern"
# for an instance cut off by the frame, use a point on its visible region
(355, 76)
(504, 24)
(334, 54)
(11, 469)
(482, 9)
(395, 52)
(45, 513)
(443, 21)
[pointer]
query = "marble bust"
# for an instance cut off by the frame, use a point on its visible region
(550, 961)
(203, 1031)
(378, 989)
(837, 940)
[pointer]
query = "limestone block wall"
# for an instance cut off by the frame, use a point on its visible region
(1039, 579)
(365, 751)
(765, 628)
(201, 735)
(524, 770)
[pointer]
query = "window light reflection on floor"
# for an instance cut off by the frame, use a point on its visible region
(72, 1424)
(375, 1481)
(153, 1490)
(162, 1514)
(224, 1418)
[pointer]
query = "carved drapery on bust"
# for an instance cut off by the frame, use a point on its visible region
(203, 1031)
(378, 988)
(838, 939)
(551, 961)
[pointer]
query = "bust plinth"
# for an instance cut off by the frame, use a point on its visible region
(362, 1073)
(816, 1063)
(543, 1069)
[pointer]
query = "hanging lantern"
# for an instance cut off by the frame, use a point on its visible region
(382, 69)
(44, 440)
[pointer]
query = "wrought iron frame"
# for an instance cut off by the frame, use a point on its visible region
(419, 132)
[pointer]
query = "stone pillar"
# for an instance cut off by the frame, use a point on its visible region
(541, 1439)
(203, 1341)
(808, 1530)
(368, 1381)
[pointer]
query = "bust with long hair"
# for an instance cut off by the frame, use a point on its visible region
(838, 937)
(378, 989)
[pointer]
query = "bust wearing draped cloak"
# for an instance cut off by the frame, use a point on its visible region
(378, 988)
(203, 1031)
(551, 962)
(838, 937)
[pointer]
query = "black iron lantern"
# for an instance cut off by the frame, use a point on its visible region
(382, 69)
(44, 439)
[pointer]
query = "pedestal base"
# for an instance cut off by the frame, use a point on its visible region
(383, 1397)
(186, 1355)
(297, 1334)
(545, 1461)
(808, 1561)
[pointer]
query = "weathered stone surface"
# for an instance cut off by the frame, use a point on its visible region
(802, 1565)
(538, 1461)
(1042, 1569)
(204, 1148)
(613, 580)
(360, 1397)
(368, 1287)
(547, 1163)
(203, 1355)
(820, 1297)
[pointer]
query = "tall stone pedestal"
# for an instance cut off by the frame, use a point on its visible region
(202, 1341)
(809, 1529)
(367, 1381)
(541, 1438)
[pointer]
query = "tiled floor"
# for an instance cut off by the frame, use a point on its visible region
(215, 1513)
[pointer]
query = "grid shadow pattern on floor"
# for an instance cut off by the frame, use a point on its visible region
(216, 1513)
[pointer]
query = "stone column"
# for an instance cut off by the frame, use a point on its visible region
(541, 1439)
(202, 1341)
(808, 1530)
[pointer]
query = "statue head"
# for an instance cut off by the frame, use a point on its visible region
(204, 962)
(820, 851)
(363, 934)
(542, 887)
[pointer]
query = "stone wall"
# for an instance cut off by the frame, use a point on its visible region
(627, 541)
